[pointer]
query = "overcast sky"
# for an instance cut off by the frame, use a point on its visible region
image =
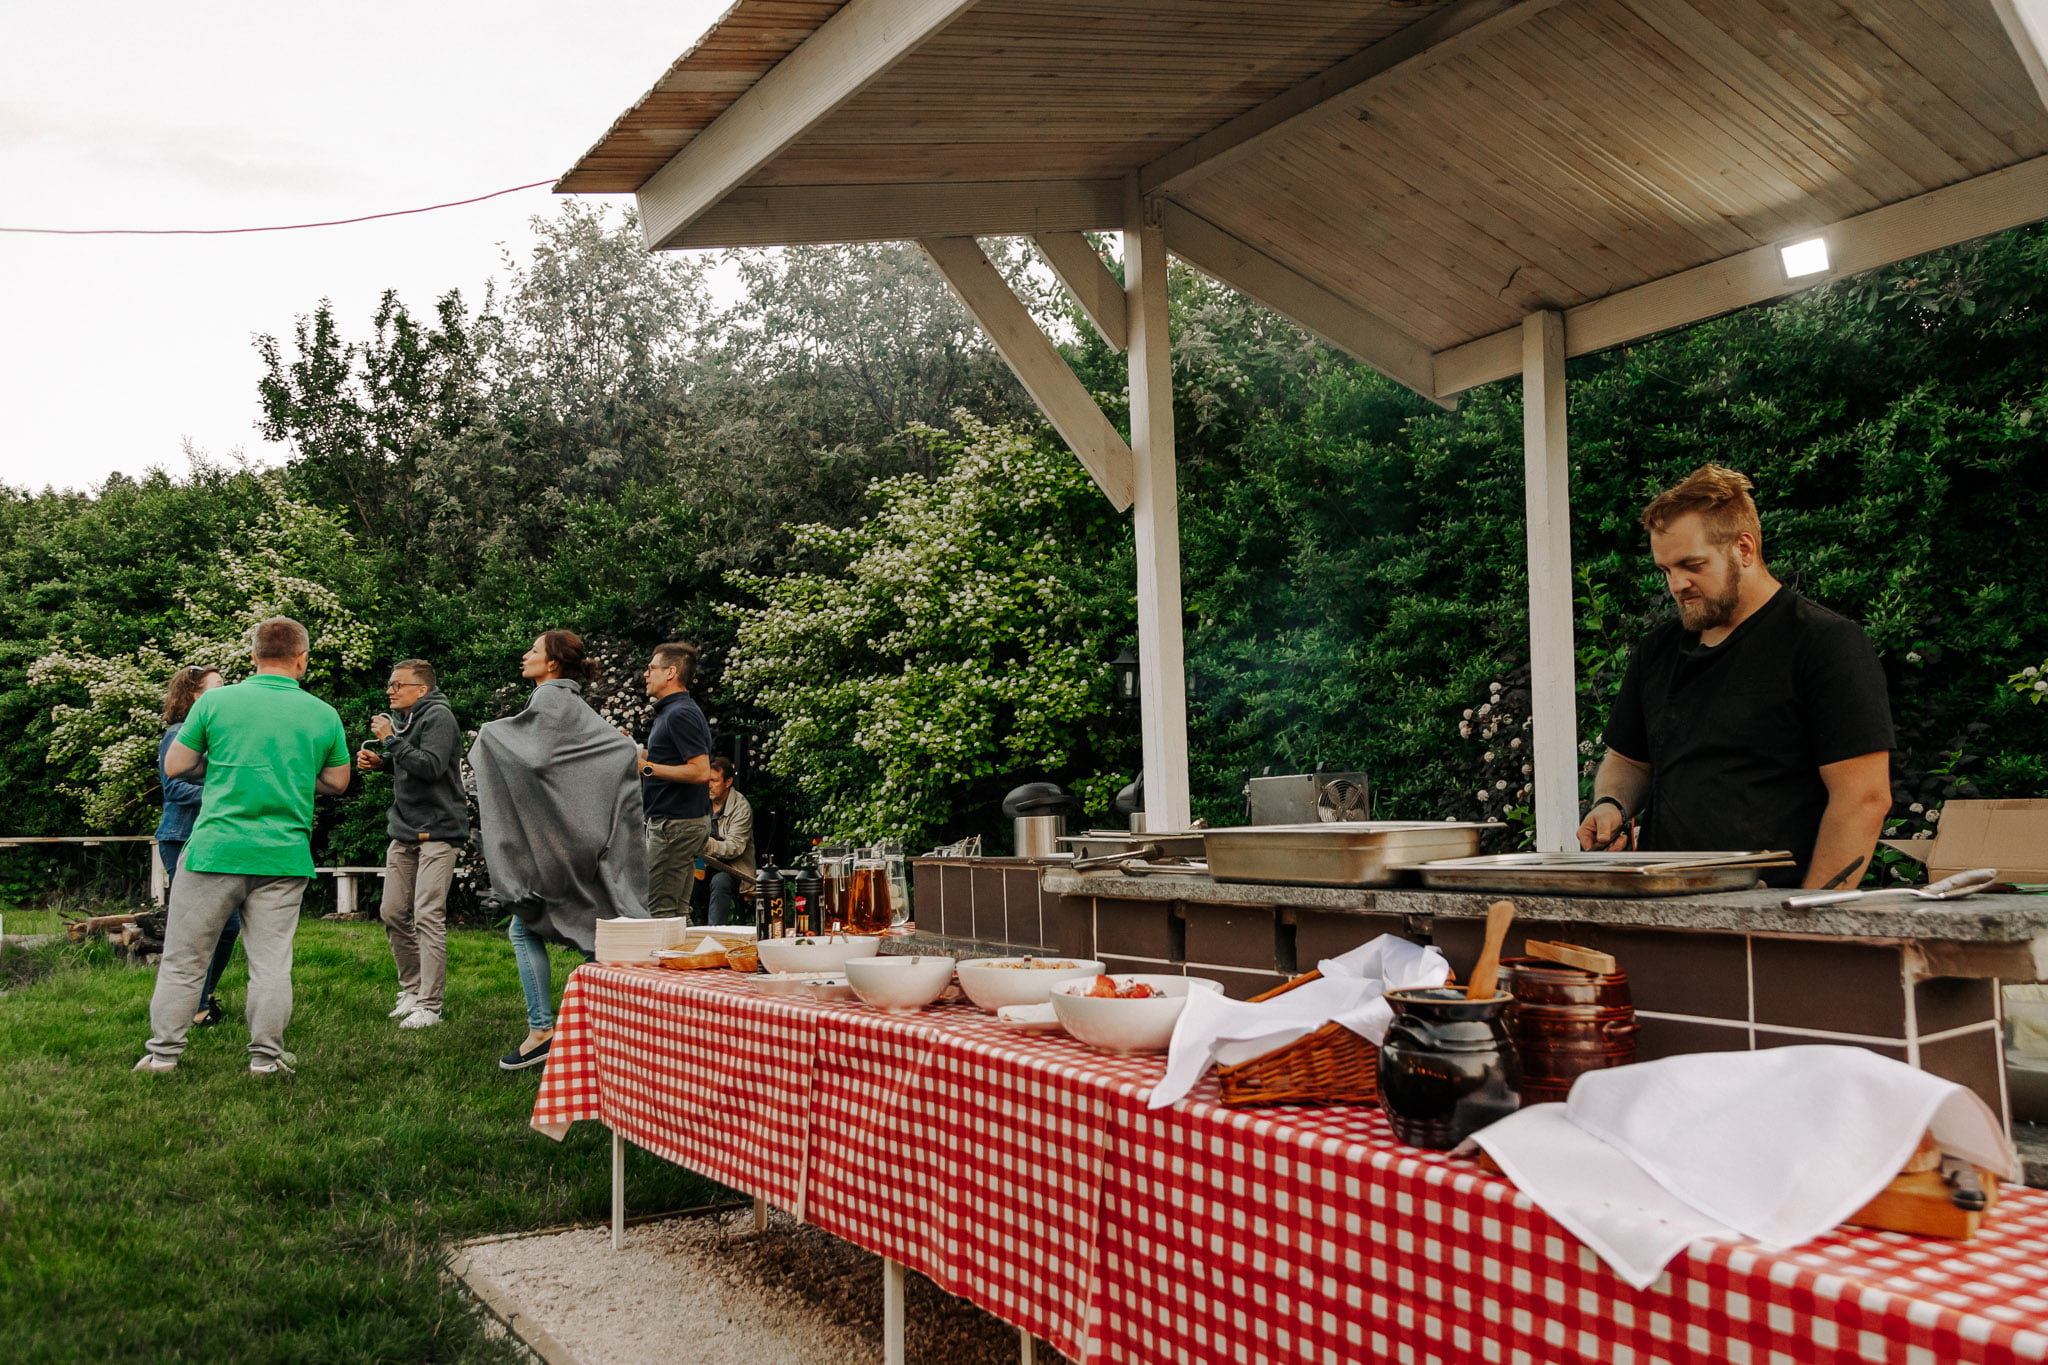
(114, 350)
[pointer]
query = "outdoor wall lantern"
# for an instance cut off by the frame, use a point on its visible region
(1125, 665)
(1809, 257)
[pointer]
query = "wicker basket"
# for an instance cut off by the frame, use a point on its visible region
(1333, 1065)
(692, 962)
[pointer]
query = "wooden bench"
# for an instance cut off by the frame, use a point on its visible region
(157, 881)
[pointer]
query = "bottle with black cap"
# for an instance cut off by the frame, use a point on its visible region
(809, 911)
(768, 901)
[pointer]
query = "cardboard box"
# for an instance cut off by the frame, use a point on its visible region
(2011, 836)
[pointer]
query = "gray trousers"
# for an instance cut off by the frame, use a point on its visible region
(672, 849)
(200, 904)
(415, 915)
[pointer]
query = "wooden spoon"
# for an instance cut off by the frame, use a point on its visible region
(1487, 973)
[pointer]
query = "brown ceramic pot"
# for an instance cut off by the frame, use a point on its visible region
(1565, 1022)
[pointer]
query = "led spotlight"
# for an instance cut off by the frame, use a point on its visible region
(1809, 257)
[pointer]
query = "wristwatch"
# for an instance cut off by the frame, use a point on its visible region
(646, 770)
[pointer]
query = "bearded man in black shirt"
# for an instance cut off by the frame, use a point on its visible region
(1757, 719)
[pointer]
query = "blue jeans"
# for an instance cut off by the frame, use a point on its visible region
(724, 894)
(531, 953)
(172, 851)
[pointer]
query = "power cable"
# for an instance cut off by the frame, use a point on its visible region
(282, 227)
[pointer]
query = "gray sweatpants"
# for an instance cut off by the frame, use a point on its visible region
(415, 915)
(200, 904)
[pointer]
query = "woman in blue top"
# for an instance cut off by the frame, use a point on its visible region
(181, 808)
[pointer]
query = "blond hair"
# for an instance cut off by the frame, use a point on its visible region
(1720, 496)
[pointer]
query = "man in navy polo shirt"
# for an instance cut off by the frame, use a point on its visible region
(675, 770)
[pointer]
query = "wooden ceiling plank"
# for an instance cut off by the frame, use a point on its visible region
(1889, 82)
(1454, 27)
(1845, 147)
(847, 52)
(1812, 62)
(795, 214)
(1719, 135)
(1098, 293)
(1966, 48)
(1474, 268)
(1549, 141)
(1530, 229)
(1956, 213)
(1038, 365)
(1342, 324)
(1345, 252)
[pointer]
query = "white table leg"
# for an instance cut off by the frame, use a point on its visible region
(1027, 1348)
(892, 1312)
(618, 1191)
(760, 1215)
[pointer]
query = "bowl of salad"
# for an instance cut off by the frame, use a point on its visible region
(1123, 1014)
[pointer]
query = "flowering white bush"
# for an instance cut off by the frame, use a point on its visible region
(106, 729)
(940, 647)
(2031, 682)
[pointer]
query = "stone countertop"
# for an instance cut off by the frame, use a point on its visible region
(1974, 919)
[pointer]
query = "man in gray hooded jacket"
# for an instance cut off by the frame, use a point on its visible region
(429, 817)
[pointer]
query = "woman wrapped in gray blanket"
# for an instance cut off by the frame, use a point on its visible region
(558, 793)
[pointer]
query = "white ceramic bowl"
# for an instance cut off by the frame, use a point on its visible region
(992, 986)
(828, 986)
(900, 985)
(815, 954)
(1123, 1026)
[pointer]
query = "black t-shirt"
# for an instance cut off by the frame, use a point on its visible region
(1735, 735)
(679, 734)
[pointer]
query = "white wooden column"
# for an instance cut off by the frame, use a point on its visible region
(1162, 671)
(1553, 679)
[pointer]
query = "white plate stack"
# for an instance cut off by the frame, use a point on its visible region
(636, 940)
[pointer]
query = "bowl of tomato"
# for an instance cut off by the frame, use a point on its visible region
(1124, 1014)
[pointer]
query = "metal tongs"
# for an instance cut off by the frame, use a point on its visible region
(1948, 888)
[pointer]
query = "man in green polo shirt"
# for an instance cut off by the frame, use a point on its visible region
(266, 747)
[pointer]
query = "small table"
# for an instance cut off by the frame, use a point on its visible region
(345, 888)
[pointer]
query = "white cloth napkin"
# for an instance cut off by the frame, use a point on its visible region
(1214, 1029)
(1775, 1147)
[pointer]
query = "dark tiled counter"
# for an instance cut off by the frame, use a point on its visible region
(1916, 981)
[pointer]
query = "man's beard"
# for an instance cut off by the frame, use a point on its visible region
(1713, 612)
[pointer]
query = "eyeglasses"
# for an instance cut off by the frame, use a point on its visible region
(401, 686)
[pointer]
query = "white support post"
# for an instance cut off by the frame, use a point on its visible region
(1553, 683)
(1027, 1348)
(159, 884)
(345, 894)
(1162, 669)
(2026, 24)
(618, 1191)
(892, 1312)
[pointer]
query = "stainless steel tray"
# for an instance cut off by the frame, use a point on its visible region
(1341, 853)
(1098, 843)
(1594, 874)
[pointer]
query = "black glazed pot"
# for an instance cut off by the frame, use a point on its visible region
(1447, 1068)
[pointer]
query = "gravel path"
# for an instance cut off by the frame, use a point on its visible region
(711, 1291)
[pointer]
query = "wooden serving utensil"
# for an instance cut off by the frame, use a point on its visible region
(1486, 975)
(1571, 955)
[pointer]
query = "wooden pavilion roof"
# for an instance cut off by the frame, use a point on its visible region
(1409, 180)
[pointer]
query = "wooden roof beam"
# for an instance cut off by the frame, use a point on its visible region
(1100, 294)
(792, 215)
(2026, 23)
(837, 62)
(1334, 319)
(1043, 371)
(1428, 40)
(1956, 213)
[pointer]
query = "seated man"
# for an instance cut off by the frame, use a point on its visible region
(729, 853)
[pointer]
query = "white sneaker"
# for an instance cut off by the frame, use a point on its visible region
(156, 1065)
(272, 1066)
(421, 1018)
(407, 1003)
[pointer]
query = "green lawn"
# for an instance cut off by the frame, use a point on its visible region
(207, 1216)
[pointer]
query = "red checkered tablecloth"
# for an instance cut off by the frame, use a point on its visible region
(1025, 1174)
